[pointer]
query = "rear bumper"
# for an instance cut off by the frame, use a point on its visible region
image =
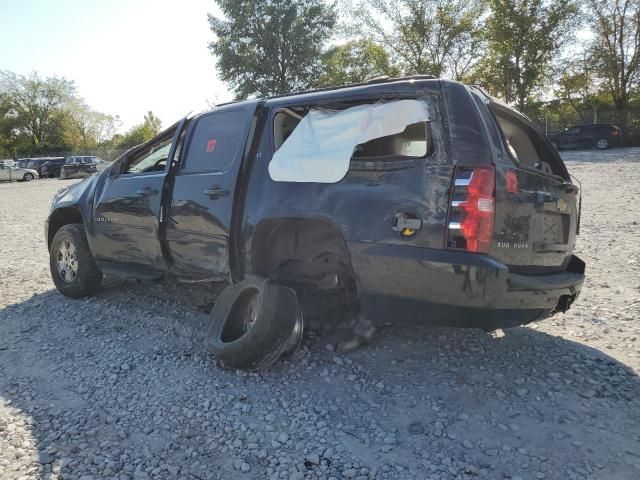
(397, 282)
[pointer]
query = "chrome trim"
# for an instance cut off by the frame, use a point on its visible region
(462, 182)
(456, 203)
(454, 226)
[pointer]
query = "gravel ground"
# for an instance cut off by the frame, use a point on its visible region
(118, 386)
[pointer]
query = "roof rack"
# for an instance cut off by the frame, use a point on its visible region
(376, 80)
(372, 81)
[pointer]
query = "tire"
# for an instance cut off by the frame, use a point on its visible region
(28, 177)
(602, 144)
(252, 323)
(73, 269)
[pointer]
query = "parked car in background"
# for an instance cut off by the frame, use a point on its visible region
(13, 173)
(51, 168)
(593, 135)
(8, 161)
(34, 163)
(81, 166)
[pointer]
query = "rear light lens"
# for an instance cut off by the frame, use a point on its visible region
(472, 209)
(614, 133)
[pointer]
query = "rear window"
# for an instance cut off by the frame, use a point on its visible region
(525, 146)
(215, 141)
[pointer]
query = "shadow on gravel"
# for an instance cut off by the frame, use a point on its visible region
(117, 386)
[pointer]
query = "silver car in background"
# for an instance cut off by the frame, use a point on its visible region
(13, 173)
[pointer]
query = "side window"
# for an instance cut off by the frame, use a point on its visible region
(573, 130)
(152, 158)
(215, 141)
(414, 142)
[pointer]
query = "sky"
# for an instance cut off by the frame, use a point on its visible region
(126, 57)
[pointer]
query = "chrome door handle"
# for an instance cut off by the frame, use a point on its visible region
(147, 191)
(216, 191)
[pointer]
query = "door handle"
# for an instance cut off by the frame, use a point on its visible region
(216, 192)
(147, 191)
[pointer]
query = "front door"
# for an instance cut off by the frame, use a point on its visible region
(199, 218)
(127, 212)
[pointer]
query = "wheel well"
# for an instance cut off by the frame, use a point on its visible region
(60, 218)
(286, 240)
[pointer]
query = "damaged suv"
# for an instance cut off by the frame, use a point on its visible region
(415, 199)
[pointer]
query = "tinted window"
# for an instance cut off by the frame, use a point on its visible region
(215, 141)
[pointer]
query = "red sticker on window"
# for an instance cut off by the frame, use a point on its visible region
(211, 145)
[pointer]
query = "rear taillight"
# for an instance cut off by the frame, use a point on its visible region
(615, 133)
(471, 209)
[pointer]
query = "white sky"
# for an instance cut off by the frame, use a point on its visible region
(125, 56)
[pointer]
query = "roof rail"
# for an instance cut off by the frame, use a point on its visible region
(376, 80)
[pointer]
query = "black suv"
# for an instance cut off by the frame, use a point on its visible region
(410, 199)
(81, 165)
(594, 135)
(51, 168)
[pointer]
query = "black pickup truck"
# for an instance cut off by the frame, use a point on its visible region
(408, 199)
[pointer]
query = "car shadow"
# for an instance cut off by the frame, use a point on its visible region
(119, 386)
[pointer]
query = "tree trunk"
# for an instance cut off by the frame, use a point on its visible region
(622, 115)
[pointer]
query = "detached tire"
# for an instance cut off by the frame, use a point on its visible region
(251, 323)
(73, 269)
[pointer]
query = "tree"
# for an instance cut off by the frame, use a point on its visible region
(34, 104)
(355, 62)
(523, 37)
(616, 49)
(577, 86)
(269, 47)
(142, 132)
(437, 37)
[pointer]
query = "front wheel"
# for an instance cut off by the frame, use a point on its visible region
(28, 177)
(602, 144)
(73, 269)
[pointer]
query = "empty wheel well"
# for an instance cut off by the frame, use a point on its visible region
(309, 250)
(60, 218)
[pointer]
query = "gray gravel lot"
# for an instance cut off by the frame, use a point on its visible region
(118, 386)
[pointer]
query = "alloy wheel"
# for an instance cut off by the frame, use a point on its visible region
(67, 261)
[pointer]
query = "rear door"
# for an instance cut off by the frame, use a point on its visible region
(199, 217)
(536, 205)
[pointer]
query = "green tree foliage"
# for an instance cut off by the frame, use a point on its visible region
(355, 62)
(616, 50)
(138, 134)
(34, 105)
(268, 47)
(523, 38)
(87, 128)
(577, 87)
(45, 115)
(437, 37)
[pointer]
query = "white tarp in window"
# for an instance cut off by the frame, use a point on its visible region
(320, 147)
